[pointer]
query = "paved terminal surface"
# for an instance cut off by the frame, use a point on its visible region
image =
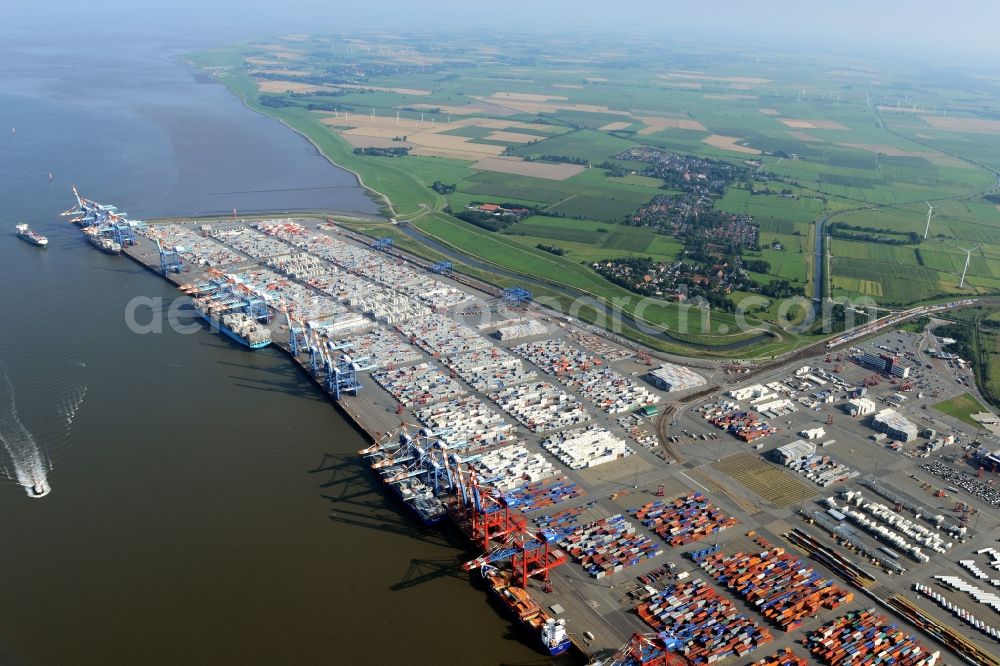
(742, 479)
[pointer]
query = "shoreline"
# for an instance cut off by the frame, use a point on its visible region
(371, 192)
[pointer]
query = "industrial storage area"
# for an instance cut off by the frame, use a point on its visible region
(819, 512)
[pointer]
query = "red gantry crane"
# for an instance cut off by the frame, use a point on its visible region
(485, 516)
(646, 650)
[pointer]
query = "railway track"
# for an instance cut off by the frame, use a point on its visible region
(666, 416)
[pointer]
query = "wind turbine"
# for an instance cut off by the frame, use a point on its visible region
(968, 256)
(930, 212)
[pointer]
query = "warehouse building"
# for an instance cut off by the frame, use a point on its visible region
(859, 407)
(794, 452)
(895, 425)
(670, 377)
(885, 363)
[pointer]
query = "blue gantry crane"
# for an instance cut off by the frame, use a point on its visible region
(120, 229)
(170, 260)
(342, 376)
(297, 340)
(516, 295)
(382, 244)
(423, 457)
(329, 363)
(443, 268)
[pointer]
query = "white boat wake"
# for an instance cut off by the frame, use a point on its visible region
(30, 465)
(71, 404)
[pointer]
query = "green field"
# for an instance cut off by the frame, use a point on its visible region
(990, 354)
(868, 166)
(961, 407)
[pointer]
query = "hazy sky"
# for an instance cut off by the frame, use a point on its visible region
(932, 28)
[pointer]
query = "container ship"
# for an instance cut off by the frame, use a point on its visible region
(423, 474)
(103, 225)
(102, 243)
(88, 213)
(26, 234)
(239, 326)
(550, 632)
(414, 473)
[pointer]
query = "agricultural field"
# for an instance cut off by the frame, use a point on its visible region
(435, 128)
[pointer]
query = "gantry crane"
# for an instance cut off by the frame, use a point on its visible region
(646, 650)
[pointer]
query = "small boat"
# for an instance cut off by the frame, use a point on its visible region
(26, 234)
(40, 489)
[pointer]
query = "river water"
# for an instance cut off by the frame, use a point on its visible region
(207, 506)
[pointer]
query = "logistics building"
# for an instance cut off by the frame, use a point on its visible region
(795, 451)
(859, 407)
(670, 377)
(895, 425)
(885, 363)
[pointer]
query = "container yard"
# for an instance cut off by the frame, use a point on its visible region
(743, 424)
(442, 336)
(384, 348)
(195, 248)
(683, 520)
(526, 329)
(586, 447)
(783, 657)
(780, 586)
(540, 495)
(466, 423)
(512, 467)
(556, 357)
(418, 384)
(700, 624)
(490, 370)
(606, 546)
(249, 241)
(868, 638)
(822, 470)
(609, 391)
(393, 341)
(607, 350)
(541, 406)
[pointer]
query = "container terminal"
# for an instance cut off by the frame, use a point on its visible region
(609, 516)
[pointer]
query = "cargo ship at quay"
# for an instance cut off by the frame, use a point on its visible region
(236, 317)
(501, 444)
(104, 227)
(398, 460)
(420, 471)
